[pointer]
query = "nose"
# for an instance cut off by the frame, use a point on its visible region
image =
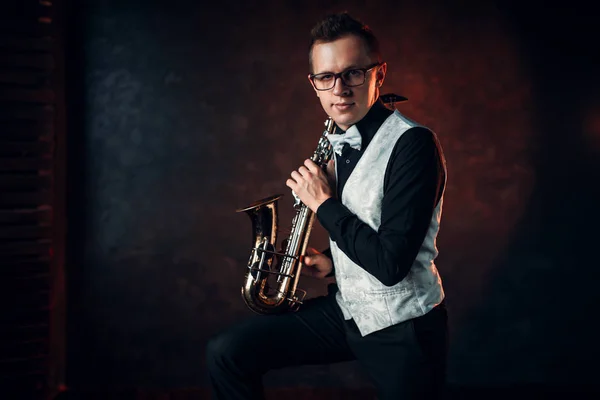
(339, 88)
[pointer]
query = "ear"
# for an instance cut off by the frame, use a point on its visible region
(381, 71)
(312, 85)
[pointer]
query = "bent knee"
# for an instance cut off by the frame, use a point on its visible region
(226, 352)
(216, 347)
(225, 346)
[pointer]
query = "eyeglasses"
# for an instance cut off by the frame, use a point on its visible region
(350, 77)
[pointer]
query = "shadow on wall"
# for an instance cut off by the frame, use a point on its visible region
(535, 316)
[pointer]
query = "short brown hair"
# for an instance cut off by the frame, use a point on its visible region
(335, 26)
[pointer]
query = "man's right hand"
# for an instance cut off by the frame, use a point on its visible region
(316, 264)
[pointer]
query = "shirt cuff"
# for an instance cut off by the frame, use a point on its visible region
(330, 214)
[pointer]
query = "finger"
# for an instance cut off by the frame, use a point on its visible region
(291, 184)
(312, 251)
(311, 165)
(304, 171)
(297, 177)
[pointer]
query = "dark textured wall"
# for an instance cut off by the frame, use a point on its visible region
(181, 112)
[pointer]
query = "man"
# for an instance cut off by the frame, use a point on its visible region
(386, 310)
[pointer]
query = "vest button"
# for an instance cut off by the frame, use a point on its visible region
(347, 161)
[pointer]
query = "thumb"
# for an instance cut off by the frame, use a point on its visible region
(331, 168)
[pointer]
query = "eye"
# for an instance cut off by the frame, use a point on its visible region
(354, 73)
(324, 77)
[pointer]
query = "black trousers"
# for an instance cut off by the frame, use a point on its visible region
(404, 361)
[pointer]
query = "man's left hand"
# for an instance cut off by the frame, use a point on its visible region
(310, 184)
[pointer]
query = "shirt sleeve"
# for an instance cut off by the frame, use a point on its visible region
(413, 184)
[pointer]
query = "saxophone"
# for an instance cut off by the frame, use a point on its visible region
(271, 279)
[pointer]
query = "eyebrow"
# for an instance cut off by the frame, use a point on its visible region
(352, 66)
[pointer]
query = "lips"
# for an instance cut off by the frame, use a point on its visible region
(343, 106)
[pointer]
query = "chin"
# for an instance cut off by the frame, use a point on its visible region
(346, 120)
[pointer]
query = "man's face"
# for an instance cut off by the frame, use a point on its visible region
(346, 105)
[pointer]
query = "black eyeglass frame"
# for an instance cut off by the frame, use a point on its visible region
(339, 75)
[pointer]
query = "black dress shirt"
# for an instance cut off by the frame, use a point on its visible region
(413, 185)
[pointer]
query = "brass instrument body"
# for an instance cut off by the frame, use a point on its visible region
(265, 263)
